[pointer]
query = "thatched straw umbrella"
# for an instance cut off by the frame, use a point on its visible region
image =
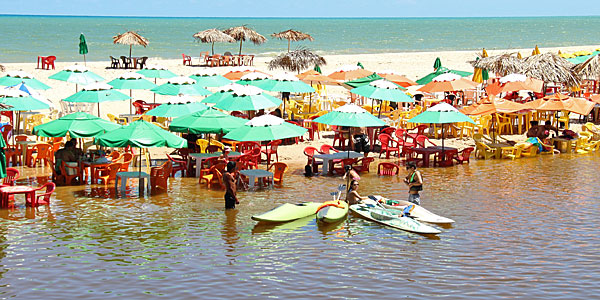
(589, 68)
(130, 38)
(241, 33)
(292, 35)
(212, 36)
(297, 60)
(2, 68)
(550, 67)
(502, 65)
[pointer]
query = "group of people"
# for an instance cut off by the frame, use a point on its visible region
(414, 181)
(69, 154)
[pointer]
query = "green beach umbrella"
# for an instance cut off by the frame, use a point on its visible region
(350, 115)
(318, 69)
(209, 78)
(437, 63)
(131, 81)
(360, 65)
(77, 125)
(382, 90)
(16, 77)
(78, 75)
(18, 100)
(442, 113)
(253, 78)
(223, 92)
(247, 98)
(285, 83)
(176, 107)
(265, 128)
(83, 48)
(155, 71)
(366, 80)
(181, 85)
(206, 121)
(97, 93)
(140, 134)
(441, 70)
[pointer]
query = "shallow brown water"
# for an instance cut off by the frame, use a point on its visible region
(525, 229)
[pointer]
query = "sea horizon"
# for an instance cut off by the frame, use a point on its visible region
(169, 37)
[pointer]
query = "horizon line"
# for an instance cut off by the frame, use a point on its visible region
(288, 17)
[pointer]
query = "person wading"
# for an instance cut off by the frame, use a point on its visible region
(230, 186)
(414, 180)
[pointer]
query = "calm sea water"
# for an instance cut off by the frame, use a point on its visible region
(23, 38)
(525, 229)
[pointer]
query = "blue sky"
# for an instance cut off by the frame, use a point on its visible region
(304, 8)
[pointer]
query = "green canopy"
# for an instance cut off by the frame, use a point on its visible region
(289, 84)
(2, 158)
(83, 48)
(442, 70)
(206, 121)
(171, 110)
(78, 75)
(97, 93)
(318, 69)
(151, 71)
(210, 80)
(362, 81)
(131, 81)
(350, 115)
(247, 98)
(265, 128)
(18, 100)
(360, 65)
(382, 90)
(77, 125)
(216, 97)
(579, 59)
(140, 134)
(252, 82)
(441, 113)
(16, 77)
(181, 85)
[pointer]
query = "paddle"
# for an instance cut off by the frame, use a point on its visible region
(376, 199)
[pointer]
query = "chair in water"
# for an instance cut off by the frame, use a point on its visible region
(387, 169)
(279, 169)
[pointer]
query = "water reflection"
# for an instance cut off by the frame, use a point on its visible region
(515, 220)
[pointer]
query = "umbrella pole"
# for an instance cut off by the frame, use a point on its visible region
(288, 46)
(130, 52)
(443, 156)
(98, 109)
(240, 47)
(130, 99)
(213, 48)
(140, 173)
(154, 94)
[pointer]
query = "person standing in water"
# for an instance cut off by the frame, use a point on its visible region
(414, 180)
(230, 186)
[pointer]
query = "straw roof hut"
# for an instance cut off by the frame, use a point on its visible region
(589, 68)
(212, 36)
(550, 67)
(502, 64)
(292, 35)
(130, 38)
(2, 68)
(243, 33)
(297, 60)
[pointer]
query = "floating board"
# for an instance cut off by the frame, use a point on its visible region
(371, 211)
(288, 212)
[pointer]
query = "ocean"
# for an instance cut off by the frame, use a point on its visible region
(23, 38)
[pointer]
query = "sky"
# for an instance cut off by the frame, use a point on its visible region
(304, 8)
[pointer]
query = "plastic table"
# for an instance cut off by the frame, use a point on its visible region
(253, 174)
(199, 157)
(126, 175)
(328, 158)
(7, 191)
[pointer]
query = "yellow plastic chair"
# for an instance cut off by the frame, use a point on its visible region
(529, 151)
(581, 145)
(217, 143)
(503, 122)
(512, 152)
(484, 151)
(118, 120)
(202, 143)
(484, 124)
(564, 118)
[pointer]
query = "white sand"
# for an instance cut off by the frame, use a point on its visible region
(412, 64)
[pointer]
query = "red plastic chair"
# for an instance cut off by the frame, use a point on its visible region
(327, 149)
(387, 169)
(239, 114)
(421, 141)
(139, 106)
(388, 145)
(44, 198)
(463, 155)
(388, 130)
(272, 149)
(365, 162)
(344, 162)
(310, 152)
(127, 158)
(48, 62)
(341, 137)
(278, 171)
(177, 165)
(42, 152)
(246, 146)
(255, 155)
(187, 60)
(12, 175)
(67, 179)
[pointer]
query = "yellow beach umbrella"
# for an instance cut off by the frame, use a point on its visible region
(536, 51)
(519, 55)
(478, 73)
(559, 53)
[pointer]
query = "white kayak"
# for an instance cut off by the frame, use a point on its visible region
(418, 212)
(372, 211)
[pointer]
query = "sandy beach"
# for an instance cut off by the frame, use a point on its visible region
(411, 64)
